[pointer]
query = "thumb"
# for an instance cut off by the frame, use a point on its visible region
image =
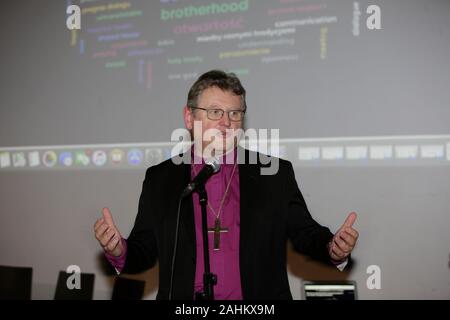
(108, 217)
(349, 221)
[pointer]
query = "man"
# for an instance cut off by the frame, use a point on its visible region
(250, 215)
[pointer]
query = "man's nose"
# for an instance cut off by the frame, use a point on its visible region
(225, 121)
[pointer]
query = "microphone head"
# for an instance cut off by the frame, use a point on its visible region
(214, 163)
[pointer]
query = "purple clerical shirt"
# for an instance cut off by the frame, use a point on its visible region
(225, 261)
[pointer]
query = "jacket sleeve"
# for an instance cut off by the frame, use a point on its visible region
(141, 244)
(307, 236)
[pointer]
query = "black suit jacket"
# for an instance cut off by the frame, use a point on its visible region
(272, 211)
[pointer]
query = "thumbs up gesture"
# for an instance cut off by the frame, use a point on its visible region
(344, 240)
(108, 235)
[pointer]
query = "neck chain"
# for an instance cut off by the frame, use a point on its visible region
(217, 229)
(217, 214)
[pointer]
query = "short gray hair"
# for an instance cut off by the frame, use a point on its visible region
(220, 79)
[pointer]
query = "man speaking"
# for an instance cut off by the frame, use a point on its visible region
(250, 216)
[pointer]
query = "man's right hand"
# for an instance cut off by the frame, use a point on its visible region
(108, 235)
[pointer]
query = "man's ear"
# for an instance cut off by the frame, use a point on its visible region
(188, 118)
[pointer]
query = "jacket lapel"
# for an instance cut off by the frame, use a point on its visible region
(187, 222)
(248, 180)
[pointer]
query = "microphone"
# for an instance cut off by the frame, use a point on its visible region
(212, 166)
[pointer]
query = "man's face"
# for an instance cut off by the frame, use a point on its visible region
(214, 132)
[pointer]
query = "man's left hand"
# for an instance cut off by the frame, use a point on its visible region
(344, 240)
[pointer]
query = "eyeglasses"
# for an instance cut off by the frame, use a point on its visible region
(217, 114)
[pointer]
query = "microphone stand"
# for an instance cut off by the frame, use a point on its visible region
(209, 279)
